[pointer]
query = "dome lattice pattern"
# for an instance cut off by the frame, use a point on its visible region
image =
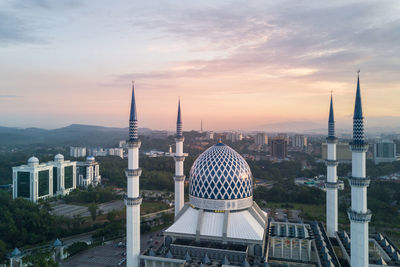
(220, 173)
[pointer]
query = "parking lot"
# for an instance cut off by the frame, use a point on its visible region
(68, 210)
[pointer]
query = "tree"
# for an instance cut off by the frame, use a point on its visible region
(3, 250)
(93, 210)
(77, 247)
(111, 215)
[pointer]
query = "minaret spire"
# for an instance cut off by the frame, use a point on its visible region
(358, 119)
(331, 177)
(358, 213)
(358, 107)
(133, 130)
(132, 198)
(331, 122)
(179, 121)
(179, 157)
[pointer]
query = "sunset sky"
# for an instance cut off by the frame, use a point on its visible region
(235, 64)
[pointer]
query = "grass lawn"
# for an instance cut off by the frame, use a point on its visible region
(152, 206)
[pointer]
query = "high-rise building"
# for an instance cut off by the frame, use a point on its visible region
(133, 199)
(116, 151)
(77, 152)
(88, 172)
(359, 214)
(279, 147)
(384, 151)
(261, 139)
(343, 153)
(64, 175)
(35, 181)
(209, 135)
(122, 144)
(331, 180)
(284, 136)
(234, 137)
(299, 141)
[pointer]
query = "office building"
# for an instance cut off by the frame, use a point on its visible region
(88, 172)
(64, 175)
(234, 137)
(209, 135)
(261, 139)
(35, 181)
(119, 152)
(279, 147)
(299, 141)
(77, 152)
(384, 151)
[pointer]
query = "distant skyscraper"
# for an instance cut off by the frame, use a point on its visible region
(234, 137)
(358, 214)
(77, 152)
(299, 141)
(261, 139)
(284, 136)
(210, 135)
(279, 147)
(384, 151)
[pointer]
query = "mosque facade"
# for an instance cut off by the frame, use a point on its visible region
(222, 225)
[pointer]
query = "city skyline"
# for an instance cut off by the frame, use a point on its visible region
(231, 69)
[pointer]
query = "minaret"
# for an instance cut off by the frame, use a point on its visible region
(132, 199)
(331, 175)
(358, 214)
(179, 157)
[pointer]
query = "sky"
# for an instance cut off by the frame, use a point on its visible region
(234, 64)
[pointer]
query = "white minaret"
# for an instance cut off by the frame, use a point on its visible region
(179, 157)
(331, 183)
(132, 199)
(358, 214)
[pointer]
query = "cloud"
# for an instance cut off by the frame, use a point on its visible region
(332, 40)
(9, 96)
(14, 30)
(22, 21)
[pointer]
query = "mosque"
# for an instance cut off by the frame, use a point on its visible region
(221, 225)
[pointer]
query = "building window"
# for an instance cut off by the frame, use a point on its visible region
(23, 184)
(43, 183)
(55, 180)
(68, 177)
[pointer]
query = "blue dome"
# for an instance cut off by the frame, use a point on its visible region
(220, 173)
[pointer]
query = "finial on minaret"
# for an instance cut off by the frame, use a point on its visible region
(358, 119)
(331, 122)
(133, 131)
(358, 106)
(179, 133)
